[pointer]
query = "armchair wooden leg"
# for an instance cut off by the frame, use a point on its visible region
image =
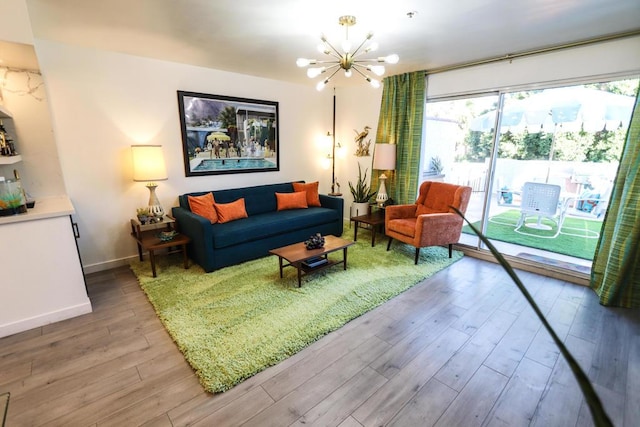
(389, 244)
(450, 250)
(417, 256)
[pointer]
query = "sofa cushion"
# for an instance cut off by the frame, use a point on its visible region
(203, 206)
(269, 224)
(295, 200)
(228, 212)
(311, 190)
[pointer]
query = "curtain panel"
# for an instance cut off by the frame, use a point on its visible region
(400, 122)
(615, 274)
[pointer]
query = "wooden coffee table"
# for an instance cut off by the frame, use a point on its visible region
(297, 254)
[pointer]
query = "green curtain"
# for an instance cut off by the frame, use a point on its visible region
(615, 274)
(401, 120)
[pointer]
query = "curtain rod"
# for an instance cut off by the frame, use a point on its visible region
(511, 56)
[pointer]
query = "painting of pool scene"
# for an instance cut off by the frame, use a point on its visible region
(222, 134)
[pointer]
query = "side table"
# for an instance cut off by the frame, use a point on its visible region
(374, 219)
(146, 236)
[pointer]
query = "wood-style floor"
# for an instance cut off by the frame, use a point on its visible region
(461, 349)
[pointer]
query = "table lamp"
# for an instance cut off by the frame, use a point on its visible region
(384, 158)
(149, 166)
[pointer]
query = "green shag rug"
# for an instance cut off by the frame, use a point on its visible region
(235, 322)
(578, 236)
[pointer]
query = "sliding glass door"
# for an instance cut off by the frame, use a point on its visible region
(541, 182)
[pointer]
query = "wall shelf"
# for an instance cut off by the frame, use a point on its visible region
(10, 160)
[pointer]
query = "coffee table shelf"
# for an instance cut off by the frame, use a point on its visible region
(295, 255)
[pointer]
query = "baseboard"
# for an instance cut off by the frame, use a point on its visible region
(45, 319)
(107, 265)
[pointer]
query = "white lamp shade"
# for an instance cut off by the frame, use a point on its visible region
(148, 163)
(384, 157)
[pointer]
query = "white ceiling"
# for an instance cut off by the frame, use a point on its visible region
(264, 38)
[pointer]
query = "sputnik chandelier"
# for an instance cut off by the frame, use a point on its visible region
(349, 60)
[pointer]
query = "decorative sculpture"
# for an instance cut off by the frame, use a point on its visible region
(362, 148)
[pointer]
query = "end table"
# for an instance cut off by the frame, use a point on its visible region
(374, 219)
(146, 236)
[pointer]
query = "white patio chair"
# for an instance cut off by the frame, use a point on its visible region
(541, 200)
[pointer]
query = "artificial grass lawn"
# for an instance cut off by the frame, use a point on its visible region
(571, 241)
(235, 322)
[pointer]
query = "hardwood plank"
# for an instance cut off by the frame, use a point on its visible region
(508, 353)
(340, 345)
(426, 407)
(561, 400)
(299, 401)
(342, 402)
(422, 334)
(473, 403)
(252, 402)
(460, 368)
(631, 407)
(383, 405)
(518, 402)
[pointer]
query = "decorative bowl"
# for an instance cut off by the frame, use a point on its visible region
(167, 236)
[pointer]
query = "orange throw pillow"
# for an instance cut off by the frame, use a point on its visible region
(297, 200)
(203, 206)
(231, 211)
(313, 199)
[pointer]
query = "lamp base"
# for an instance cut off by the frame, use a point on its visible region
(382, 196)
(335, 194)
(155, 208)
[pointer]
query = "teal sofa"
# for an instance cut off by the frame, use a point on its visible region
(214, 246)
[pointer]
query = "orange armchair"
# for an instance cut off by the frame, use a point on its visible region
(429, 221)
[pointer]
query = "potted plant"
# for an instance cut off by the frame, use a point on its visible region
(143, 215)
(361, 193)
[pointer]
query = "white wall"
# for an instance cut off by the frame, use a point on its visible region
(103, 102)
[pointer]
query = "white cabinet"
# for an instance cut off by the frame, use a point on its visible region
(41, 275)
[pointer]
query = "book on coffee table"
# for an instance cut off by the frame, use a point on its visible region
(315, 262)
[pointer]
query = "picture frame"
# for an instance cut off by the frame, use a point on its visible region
(226, 135)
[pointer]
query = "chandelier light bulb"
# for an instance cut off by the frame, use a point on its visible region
(347, 73)
(392, 59)
(303, 62)
(315, 72)
(373, 82)
(373, 46)
(321, 85)
(378, 70)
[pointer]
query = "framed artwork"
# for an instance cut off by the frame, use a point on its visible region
(223, 134)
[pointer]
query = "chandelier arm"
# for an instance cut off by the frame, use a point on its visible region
(355, 52)
(367, 78)
(337, 52)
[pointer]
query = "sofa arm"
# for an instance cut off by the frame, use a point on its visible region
(199, 230)
(335, 203)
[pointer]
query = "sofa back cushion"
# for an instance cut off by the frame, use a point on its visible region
(258, 199)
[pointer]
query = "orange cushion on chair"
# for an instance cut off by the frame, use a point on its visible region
(297, 200)
(203, 206)
(231, 211)
(313, 198)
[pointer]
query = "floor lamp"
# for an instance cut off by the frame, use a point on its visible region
(333, 152)
(384, 158)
